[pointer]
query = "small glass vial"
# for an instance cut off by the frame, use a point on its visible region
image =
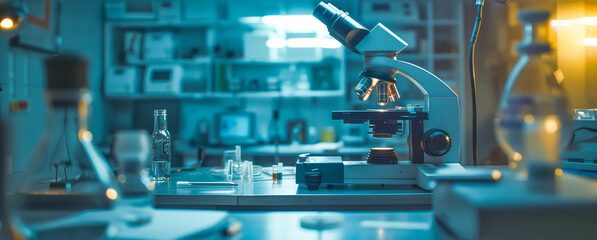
(275, 173)
(160, 147)
(248, 171)
(238, 167)
(280, 171)
(229, 170)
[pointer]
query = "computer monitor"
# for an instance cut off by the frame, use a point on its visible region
(235, 128)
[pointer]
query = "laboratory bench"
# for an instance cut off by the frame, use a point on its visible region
(205, 224)
(263, 195)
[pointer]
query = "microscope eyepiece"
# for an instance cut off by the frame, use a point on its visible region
(341, 26)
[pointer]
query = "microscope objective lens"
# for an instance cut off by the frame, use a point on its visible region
(393, 94)
(382, 93)
(365, 87)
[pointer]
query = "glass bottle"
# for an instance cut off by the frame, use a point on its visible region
(160, 147)
(533, 120)
(131, 150)
(67, 172)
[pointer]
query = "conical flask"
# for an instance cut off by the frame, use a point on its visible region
(533, 120)
(67, 172)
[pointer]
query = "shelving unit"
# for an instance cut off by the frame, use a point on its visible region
(220, 60)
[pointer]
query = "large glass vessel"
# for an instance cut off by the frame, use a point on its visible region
(533, 120)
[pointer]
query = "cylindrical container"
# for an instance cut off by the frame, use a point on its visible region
(160, 147)
(275, 173)
(280, 171)
(131, 150)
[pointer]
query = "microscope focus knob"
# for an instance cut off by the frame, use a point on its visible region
(436, 142)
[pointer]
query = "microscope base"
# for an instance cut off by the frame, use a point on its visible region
(318, 171)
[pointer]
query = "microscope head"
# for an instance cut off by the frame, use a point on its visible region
(381, 40)
(378, 42)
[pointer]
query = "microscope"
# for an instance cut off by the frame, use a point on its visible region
(433, 128)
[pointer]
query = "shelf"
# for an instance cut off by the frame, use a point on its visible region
(201, 60)
(260, 94)
(446, 56)
(157, 24)
(412, 56)
(266, 62)
(271, 94)
(421, 23)
(150, 96)
(446, 22)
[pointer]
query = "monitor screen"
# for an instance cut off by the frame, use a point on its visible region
(236, 125)
(161, 75)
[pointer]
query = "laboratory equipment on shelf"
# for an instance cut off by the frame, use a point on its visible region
(539, 201)
(161, 155)
(67, 171)
(533, 122)
(131, 150)
(163, 78)
(433, 128)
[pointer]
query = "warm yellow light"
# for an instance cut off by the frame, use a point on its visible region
(559, 76)
(111, 194)
(517, 156)
(590, 21)
(85, 135)
(528, 119)
(561, 23)
(590, 42)
(559, 172)
(7, 23)
(496, 175)
(551, 124)
(512, 165)
(150, 186)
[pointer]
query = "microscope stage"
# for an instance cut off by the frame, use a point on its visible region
(329, 170)
(362, 116)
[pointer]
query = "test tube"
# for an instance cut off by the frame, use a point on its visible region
(229, 170)
(382, 93)
(275, 173)
(238, 153)
(280, 171)
(249, 171)
(238, 164)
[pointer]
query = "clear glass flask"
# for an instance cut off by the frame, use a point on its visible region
(131, 150)
(67, 172)
(533, 120)
(160, 147)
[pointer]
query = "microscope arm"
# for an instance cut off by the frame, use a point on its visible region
(439, 100)
(429, 84)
